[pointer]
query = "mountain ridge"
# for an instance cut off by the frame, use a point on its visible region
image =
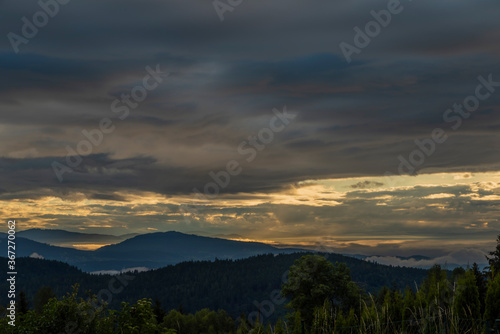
(58, 237)
(233, 285)
(151, 250)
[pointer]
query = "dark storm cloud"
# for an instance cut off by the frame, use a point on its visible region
(225, 78)
(107, 28)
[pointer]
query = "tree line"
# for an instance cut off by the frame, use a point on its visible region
(232, 285)
(322, 298)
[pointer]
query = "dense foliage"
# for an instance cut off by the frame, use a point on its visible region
(232, 285)
(322, 299)
(442, 302)
(312, 280)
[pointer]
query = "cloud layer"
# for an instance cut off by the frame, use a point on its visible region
(353, 120)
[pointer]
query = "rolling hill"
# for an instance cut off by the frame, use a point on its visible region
(67, 239)
(232, 285)
(152, 250)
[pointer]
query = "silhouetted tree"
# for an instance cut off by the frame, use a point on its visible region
(312, 280)
(494, 259)
(481, 284)
(492, 302)
(457, 273)
(158, 311)
(22, 304)
(43, 295)
(466, 302)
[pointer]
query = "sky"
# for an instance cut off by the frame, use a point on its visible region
(370, 127)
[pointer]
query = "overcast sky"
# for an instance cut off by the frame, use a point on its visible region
(319, 173)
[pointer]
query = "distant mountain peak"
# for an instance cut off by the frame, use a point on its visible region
(63, 238)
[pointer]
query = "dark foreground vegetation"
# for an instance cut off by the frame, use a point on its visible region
(231, 285)
(321, 298)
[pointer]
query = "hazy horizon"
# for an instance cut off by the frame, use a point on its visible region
(285, 124)
(92, 242)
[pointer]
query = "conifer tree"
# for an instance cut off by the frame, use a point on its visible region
(466, 301)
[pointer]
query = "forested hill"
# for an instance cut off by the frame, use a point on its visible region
(232, 285)
(152, 250)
